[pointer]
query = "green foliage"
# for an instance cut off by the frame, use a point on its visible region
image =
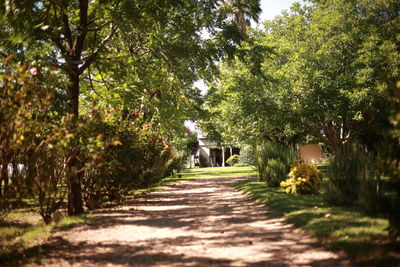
(367, 179)
(355, 177)
(192, 143)
(116, 152)
(186, 144)
(304, 178)
(325, 77)
(233, 160)
(124, 57)
(247, 157)
(388, 161)
(29, 131)
(130, 157)
(274, 161)
(332, 76)
(176, 163)
(344, 171)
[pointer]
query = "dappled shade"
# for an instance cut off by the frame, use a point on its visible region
(196, 223)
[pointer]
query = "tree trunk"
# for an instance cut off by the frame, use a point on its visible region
(75, 203)
(5, 179)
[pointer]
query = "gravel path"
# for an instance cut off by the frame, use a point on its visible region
(198, 223)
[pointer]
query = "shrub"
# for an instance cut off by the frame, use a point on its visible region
(121, 156)
(31, 138)
(274, 161)
(343, 171)
(355, 178)
(275, 171)
(177, 162)
(49, 187)
(389, 164)
(372, 181)
(246, 157)
(304, 178)
(233, 160)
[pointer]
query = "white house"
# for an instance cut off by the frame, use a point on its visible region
(213, 155)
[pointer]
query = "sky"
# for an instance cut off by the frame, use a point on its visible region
(270, 9)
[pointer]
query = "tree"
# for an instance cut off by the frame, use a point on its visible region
(242, 12)
(139, 49)
(333, 77)
(68, 27)
(318, 82)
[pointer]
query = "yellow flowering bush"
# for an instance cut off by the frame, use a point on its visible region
(304, 178)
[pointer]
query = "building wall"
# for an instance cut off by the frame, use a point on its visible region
(206, 142)
(310, 153)
(212, 157)
(204, 157)
(205, 152)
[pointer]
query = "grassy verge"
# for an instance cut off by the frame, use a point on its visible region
(22, 232)
(363, 237)
(217, 172)
(199, 173)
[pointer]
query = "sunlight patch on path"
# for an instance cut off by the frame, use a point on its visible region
(198, 223)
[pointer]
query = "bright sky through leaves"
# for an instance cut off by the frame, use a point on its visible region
(270, 9)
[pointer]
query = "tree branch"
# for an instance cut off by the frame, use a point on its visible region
(89, 60)
(57, 41)
(82, 28)
(91, 84)
(67, 30)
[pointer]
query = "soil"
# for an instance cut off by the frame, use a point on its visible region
(204, 222)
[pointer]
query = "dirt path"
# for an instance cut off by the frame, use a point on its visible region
(198, 223)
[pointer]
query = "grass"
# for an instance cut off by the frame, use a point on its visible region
(348, 229)
(363, 237)
(199, 173)
(22, 232)
(217, 172)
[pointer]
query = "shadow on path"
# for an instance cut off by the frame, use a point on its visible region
(198, 223)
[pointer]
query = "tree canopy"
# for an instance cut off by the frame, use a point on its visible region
(322, 74)
(120, 59)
